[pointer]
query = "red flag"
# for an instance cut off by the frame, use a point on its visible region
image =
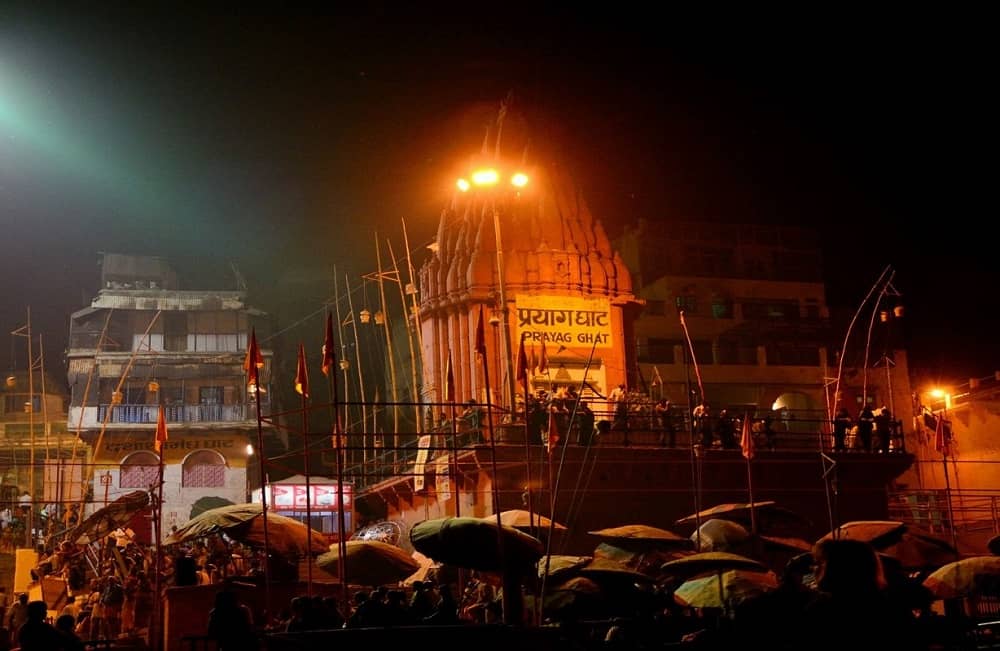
(543, 360)
(942, 440)
(553, 439)
(302, 374)
(480, 335)
(532, 359)
(253, 361)
(449, 381)
(522, 368)
(161, 431)
(329, 356)
(746, 440)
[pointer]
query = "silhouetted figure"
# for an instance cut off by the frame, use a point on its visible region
(230, 623)
(36, 634)
(866, 426)
(841, 423)
(854, 609)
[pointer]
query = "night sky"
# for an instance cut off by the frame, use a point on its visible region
(285, 141)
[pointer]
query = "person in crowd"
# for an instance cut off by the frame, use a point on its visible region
(66, 627)
(36, 634)
(854, 609)
(841, 423)
(230, 623)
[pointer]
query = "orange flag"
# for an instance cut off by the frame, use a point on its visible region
(543, 360)
(329, 356)
(746, 440)
(522, 368)
(480, 335)
(553, 439)
(942, 440)
(161, 431)
(449, 381)
(302, 374)
(532, 359)
(253, 361)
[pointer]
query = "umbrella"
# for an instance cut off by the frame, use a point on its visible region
(993, 545)
(870, 531)
(635, 532)
(369, 563)
(245, 522)
(647, 561)
(203, 504)
(767, 512)
(476, 544)
(969, 577)
(593, 568)
(106, 519)
(521, 519)
(912, 547)
(719, 535)
(728, 588)
(578, 596)
(704, 562)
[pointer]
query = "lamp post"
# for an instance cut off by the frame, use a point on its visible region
(489, 179)
(943, 444)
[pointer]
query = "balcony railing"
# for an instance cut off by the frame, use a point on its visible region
(148, 414)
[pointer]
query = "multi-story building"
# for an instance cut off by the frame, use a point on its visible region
(145, 342)
(754, 304)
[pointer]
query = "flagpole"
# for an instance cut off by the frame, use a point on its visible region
(449, 394)
(161, 429)
(509, 616)
(302, 385)
(748, 453)
(251, 365)
(944, 446)
(328, 367)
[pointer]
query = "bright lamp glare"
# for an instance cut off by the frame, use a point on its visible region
(937, 393)
(463, 185)
(249, 450)
(519, 180)
(485, 177)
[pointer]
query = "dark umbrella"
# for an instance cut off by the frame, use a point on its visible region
(474, 544)
(370, 563)
(207, 503)
(106, 519)
(912, 547)
(769, 515)
(696, 564)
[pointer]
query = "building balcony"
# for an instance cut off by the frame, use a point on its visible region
(148, 414)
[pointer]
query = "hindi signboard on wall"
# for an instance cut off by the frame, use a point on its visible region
(571, 321)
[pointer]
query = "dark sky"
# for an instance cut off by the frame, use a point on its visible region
(285, 141)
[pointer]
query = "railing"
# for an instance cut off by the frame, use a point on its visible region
(639, 431)
(148, 414)
(974, 510)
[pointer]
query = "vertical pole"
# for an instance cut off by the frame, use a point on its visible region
(339, 440)
(262, 458)
(158, 532)
(391, 356)
(947, 483)
(305, 468)
(361, 375)
(31, 433)
(505, 351)
(415, 387)
(343, 355)
(416, 305)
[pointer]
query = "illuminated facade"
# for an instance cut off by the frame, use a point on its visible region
(143, 342)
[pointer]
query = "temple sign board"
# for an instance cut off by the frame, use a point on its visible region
(570, 321)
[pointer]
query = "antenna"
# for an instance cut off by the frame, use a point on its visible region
(241, 281)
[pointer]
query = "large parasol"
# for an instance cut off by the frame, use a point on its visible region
(704, 562)
(521, 519)
(731, 587)
(108, 518)
(370, 563)
(245, 522)
(473, 543)
(970, 577)
(769, 515)
(914, 548)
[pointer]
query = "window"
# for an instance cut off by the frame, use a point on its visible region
(687, 303)
(147, 343)
(658, 350)
(139, 470)
(656, 308)
(204, 469)
(210, 395)
(722, 308)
